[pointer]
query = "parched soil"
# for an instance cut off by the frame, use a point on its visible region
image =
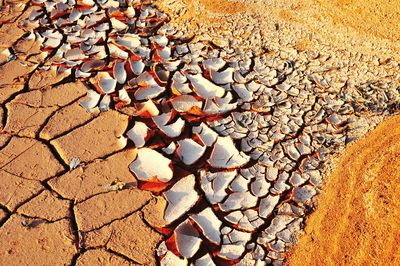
(358, 213)
(94, 214)
(359, 25)
(51, 213)
(223, 6)
(372, 17)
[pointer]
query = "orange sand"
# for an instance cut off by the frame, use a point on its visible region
(358, 213)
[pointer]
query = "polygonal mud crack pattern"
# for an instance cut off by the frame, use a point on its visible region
(46, 206)
(15, 159)
(126, 237)
(257, 129)
(39, 105)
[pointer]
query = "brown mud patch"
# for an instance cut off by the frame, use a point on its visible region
(358, 212)
(52, 213)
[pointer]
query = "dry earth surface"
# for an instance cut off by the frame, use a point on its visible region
(359, 26)
(51, 215)
(356, 222)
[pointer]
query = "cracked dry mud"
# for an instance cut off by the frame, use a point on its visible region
(49, 215)
(95, 213)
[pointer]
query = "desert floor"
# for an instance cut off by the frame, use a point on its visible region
(95, 214)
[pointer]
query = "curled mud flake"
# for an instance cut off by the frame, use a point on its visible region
(170, 149)
(179, 84)
(148, 87)
(171, 129)
(162, 54)
(51, 43)
(93, 64)
(303, 195)
(119, 72)
(260, 187)
(223, 77)
(205, 88)
(123, 99)
(187, 239)
(271, 174)
(171, 259)
(181, 197)
(225, 155)
(139, 133)
(189, 151)
(267, 205)
(136, 66)
(104, 104)
(214, 64)
(118, 25)
(206, 134)
(147, 109)
(186, 104)
(244, 94)
(130, 41)
(143, 166)
(205, 260)
(219, 106)
(214, 184)
(209, 225)
(93, 99)
(81, 74)
(74, 54)
(116, 52)
(148, 92)
(104, 82)
(179, 88)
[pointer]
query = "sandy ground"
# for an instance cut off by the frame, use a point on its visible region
(369, 26)
(50, 215)
(357, 216)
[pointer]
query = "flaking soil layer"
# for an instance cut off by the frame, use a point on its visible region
(357, 217)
